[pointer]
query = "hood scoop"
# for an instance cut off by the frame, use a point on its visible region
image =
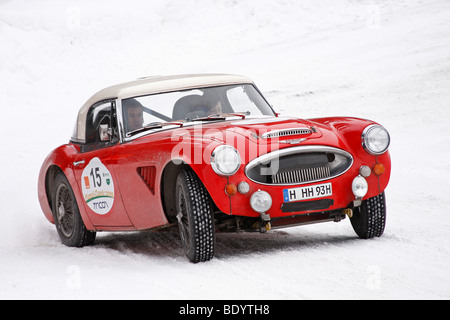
(287, 132)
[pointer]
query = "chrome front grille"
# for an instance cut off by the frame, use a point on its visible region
(299, 165)
(301, 175)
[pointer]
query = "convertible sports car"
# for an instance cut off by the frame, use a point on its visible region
(208, 152)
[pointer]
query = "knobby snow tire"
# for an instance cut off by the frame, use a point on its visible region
(369, 219)
(195, 217)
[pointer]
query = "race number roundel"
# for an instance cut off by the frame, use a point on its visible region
(98, 187)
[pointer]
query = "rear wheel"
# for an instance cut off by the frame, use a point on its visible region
(369, 219)
(195, 218)
(68, 222)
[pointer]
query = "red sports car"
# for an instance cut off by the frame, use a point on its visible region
(208, 152)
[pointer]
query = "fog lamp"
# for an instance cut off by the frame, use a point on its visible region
(261, 201)
(359, 187)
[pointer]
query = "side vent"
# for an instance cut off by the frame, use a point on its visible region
(148, 174)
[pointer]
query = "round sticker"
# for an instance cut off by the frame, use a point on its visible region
(98, 187)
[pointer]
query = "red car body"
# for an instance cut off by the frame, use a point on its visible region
(141, 173)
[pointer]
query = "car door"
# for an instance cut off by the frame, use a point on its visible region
(94, 170)
(138, 167)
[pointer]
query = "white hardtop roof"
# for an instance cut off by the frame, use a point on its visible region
(151, 85)
(156, 84)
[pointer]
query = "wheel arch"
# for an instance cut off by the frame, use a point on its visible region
(50, 177)
(48, 185)
(168, 182)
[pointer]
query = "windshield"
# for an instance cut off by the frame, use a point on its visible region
(213, 103)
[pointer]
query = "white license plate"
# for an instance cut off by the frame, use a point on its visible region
(309, 192)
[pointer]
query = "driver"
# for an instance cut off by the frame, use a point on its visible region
(212, 100)
(134, 114)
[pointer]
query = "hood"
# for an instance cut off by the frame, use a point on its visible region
(269, 133)
(282, 131)
(270, 130)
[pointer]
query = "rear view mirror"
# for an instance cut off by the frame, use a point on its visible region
(103, 131)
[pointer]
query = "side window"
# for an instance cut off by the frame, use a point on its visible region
(101, 126)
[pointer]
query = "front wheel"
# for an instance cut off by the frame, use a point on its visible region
(69, 225)
(369, 219)
(195, 218)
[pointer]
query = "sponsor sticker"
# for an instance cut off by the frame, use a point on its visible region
(98, 187)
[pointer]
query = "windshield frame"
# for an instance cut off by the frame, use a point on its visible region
(126, 137)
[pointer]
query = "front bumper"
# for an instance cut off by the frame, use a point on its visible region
(342, 195)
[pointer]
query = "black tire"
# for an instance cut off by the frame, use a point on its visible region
(68, 222)
(195, 217)
(369, 219)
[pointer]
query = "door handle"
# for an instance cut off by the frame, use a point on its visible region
(77, 163)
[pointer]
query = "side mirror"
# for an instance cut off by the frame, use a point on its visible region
(103, 131)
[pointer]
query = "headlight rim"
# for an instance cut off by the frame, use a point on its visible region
(216, 167)
(365, 135)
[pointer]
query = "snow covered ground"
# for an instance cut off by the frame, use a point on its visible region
(384, 60)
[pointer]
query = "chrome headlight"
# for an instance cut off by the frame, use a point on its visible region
(375, 139)
(225, 160)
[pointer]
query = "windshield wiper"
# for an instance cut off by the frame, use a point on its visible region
(153, 125)
(223, 116)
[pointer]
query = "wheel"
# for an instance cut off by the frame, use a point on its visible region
(68, 222)
(195, 218)
(369, 219)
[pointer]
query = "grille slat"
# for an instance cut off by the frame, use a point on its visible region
(302, 175)
(285, 132)
(299, 165)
